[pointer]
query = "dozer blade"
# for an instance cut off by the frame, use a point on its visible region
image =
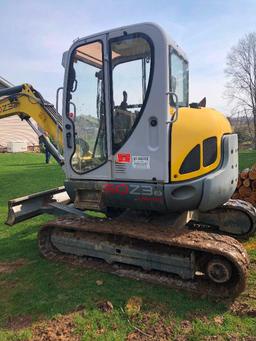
(54, 201)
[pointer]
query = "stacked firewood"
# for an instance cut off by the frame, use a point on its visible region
(246, 185)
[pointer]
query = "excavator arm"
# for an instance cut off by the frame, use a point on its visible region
(26, 102)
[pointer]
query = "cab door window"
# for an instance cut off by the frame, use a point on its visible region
(131, 58)
(87, 107)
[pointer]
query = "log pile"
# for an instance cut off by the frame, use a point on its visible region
(246, 185)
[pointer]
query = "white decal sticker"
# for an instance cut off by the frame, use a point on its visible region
(141, 162)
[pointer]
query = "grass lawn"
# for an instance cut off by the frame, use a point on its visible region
(33, 289)
(247, 159)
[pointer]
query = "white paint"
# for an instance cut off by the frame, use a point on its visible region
(17, 147)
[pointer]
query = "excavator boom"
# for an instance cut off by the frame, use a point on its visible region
(27, 102)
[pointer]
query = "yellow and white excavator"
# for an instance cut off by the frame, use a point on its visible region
(162, 170)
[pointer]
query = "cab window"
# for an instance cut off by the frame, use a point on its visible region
(131, 72)
(178, 76)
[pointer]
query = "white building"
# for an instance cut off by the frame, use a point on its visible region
(12, 129)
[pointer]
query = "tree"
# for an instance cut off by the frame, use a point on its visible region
(241, 73)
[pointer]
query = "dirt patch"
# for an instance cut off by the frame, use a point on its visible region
(200, 315)
(18, 322)
(8, 267)
(154, 328)
(58, 329)
(105, 306)
(218, 320)
(186, 327)
(242, 309)
(217, 338)
(7, 285)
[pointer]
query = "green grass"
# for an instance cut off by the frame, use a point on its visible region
(247, 159)
(41, 289)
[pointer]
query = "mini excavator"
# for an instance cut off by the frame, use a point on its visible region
(160, 169)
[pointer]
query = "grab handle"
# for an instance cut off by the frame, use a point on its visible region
(175, 104)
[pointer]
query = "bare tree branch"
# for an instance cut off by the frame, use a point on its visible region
(241, 86)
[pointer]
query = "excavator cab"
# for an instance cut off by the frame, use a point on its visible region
(130, 137)
(117, 103)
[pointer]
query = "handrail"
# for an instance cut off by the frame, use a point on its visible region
(57, 110)
(176, 113)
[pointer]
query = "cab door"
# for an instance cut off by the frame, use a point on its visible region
(86, 110)
(139, 103)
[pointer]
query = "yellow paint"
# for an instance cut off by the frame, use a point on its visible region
(28, 104)
(191, 128)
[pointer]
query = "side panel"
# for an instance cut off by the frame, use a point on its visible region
(220, 185)
(192, 128)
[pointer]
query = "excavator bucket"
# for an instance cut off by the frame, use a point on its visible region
(54, 201)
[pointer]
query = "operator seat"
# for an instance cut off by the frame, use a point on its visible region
(123, 120)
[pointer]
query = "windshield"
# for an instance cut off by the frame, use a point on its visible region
(178, 70)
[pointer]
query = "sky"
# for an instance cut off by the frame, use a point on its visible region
(34, 34)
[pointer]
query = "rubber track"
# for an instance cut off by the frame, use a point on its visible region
(233, 204)
(201, 241)
(244, 207)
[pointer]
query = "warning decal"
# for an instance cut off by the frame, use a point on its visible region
(123, 158)
(141, 162)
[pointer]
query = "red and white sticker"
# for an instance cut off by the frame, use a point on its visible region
(124, 157)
